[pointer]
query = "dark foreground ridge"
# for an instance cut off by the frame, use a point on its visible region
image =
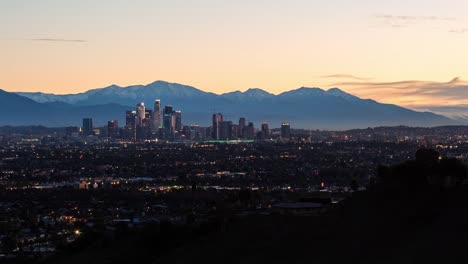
(415, 212)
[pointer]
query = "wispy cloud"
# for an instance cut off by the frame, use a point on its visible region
(57, 40)
(401, 21)
(411, 93)
(459, 31)
(413, 18)
(345, 76)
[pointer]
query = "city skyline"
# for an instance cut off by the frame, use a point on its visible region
(391, 52)
(144, 123)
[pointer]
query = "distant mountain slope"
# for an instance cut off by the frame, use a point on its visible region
(303, 107)
(130, 95)
(18, 110)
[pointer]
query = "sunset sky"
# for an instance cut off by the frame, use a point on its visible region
(399, 51)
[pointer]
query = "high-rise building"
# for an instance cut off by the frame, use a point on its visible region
(250, 131)
(148, 121)
(216, 128)
(157, 115)
(178, 120)
(285, 131)
(234, 131)
(225, 132)
(168, 121)
(241, 127)
(195, 133)
(143, 130)
(88, 128)
(265, 131)
(173, 122)
(140, 114)
(130, 124)
(168, 109)
(130, 118)
(113, 128)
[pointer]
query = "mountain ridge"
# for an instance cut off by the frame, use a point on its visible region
(170, 85)
(304, 107)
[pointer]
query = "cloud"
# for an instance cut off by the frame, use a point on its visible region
(458, 112)
(411, 93)
(58, 40)
(399, 21)
(344, 76)
(412, 18)
(459, 31)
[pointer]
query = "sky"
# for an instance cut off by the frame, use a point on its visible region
(412, 53)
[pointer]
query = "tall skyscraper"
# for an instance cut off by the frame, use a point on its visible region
(130, 124)
(168, 121)
(265, 131)
(88, 128)
(168, 109)
(216, 128)
(178, 120)
(285, 131)
(241, 127)
(148, 121)
(250, 131)
(225, 131)
(140, 114)
(130, 118)
(144, 132)
(113, 128)
(157, 115)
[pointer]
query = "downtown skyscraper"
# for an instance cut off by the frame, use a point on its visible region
(216, 128)
(157, 115)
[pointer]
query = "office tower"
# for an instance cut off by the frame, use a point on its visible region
(130, 124)
(241, 127)
(250, 131)
(130, 117)
(88, 127)
(259, 136)
(168, 121)
(285, 131)
(173, 123)
(168, 109)
(265, 131)
(178, 120)
(208, 133)
(148, 121)
(195, 133)
(140, 114)
(157, 115)
(113, 128)
(216, 128)
(145, 124)
(186, 131)
(234, 131)
(225, 132)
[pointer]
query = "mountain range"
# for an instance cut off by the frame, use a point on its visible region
(304, 107)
